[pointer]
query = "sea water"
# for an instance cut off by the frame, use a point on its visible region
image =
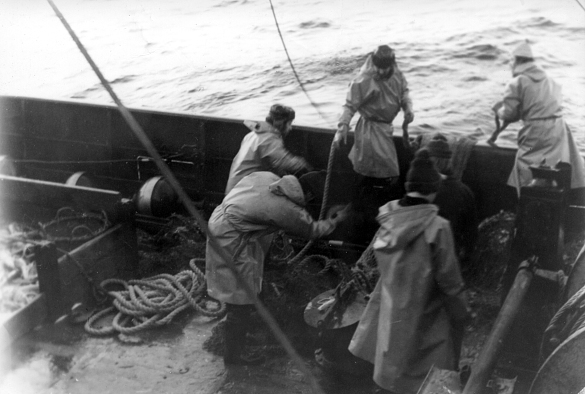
(227, 58)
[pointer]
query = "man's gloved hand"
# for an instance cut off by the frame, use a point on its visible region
(408, 115)
(497, 106)
(341, 134)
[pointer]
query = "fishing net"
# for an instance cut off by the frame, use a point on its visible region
(492, 251)
(171, 248)
(18, 273)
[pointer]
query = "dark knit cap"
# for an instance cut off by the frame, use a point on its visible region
(383, 56)
(439, 147)
(280, 112)
(422, 176)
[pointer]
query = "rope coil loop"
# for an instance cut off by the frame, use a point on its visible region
(72, 226)
(155, 301)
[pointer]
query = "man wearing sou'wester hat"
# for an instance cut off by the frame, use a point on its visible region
(536, 99)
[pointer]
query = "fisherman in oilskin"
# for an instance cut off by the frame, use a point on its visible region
(406, 326)
(455, 200)
(261, 204)
(536, 98)
(263, 149)
(378, 93)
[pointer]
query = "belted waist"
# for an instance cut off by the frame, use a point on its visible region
(377, 120)
(544, 118)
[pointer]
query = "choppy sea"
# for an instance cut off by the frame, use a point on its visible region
(225, 58)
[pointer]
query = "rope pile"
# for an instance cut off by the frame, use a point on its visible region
(154, 301)
(569, 319)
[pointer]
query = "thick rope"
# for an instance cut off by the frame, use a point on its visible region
(323, 211)
(154, 301)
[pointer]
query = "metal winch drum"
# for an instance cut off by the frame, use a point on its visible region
(156, 197)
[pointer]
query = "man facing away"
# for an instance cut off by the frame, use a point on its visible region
(243, 226)
(406, 326)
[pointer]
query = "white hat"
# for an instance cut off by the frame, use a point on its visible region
(523, 50)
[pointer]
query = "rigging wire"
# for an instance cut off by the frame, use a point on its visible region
(184, 198)
(580, 5)
(293, 67)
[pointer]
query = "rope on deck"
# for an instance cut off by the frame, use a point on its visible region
(154, 301)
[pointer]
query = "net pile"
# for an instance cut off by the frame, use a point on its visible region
(18, 273)
(492, 251)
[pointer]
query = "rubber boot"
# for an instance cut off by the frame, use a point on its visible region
(236, 328)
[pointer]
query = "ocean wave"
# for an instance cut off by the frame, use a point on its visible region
(124, 79)
(314, 25)
(479, 52)
(539, 22)
(229, 3)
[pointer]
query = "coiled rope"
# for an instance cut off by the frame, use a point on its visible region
(154, 301)
(569, 319)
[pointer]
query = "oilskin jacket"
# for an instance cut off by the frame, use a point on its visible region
(405, 329)
(243, 226)
(536, 99)
(456, 203)
(262, 149)
(378, 101)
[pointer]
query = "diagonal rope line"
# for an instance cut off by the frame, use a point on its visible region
(184, 198)
(293, 67)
